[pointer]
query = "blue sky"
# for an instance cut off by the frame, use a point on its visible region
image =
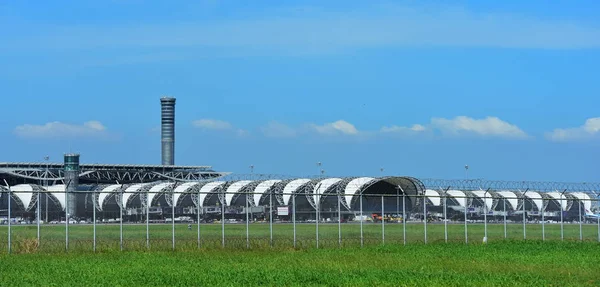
(419, 88)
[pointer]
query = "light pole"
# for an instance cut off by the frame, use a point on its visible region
(466, 171)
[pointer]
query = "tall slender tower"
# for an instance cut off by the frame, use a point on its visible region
(167, 105)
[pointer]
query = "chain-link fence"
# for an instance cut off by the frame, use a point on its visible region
(298, 220)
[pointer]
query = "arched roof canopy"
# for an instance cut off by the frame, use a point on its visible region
(411, 187)
(105, 193)
(560, 199)
(486, 197)
(434, 197)
(534, 197)
(233, 189)
(24, 195)
(585, 200)
(293, 187)
(510, 197)
(208, 190)
(57, 192)
(181, 190)
(157, 190)
(263, 189)
(460, 197)
(322, 188)
(353, 188)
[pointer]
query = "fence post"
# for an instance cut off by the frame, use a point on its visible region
(404, 217)
(317, 221)
(198, 217)
(294, 216)
(9, 216)
(148, 219)
(362, 239)
(504, 204)
(466, 200)
(580, 222)
(38, 215)
(93, 217)
(339, 221)
(67, 218)
(223, 219)
(173, 203)
(445, 218)
(543, 221)
(382, 222)
(562, 231)
(120, 219)
(425, 219)
(524, 219)
(247, 225)
(271, 217)
(485, 210)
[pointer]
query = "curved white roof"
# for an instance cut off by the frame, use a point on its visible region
(536, 197)
(354, 186)
(483, 195)
(434, 197)
(105, 193)
(24, 192)
(155, 190)
(459, 196)
(261, 188)
(292, 187)
(178, 191)
(557, 196)
(322, 186)
(585, 198)
(130, 191)
(208, 188)
(233, 189)
(58, 191)
(510, 197)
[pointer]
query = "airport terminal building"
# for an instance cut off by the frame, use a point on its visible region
(75, 190)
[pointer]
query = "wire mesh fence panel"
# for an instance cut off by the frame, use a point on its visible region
(386, 219)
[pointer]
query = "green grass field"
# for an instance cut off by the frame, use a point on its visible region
(134, 235)
(512, 262)
(507, 263)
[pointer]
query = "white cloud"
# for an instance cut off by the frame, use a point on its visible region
(397, 129)
(324, 31)
(489, 126)
(589, 129)
(337, 127)
(219, 125)
(212, 124)
(59, 129)
(278, 130)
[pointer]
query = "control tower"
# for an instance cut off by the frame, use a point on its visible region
(167, 130)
